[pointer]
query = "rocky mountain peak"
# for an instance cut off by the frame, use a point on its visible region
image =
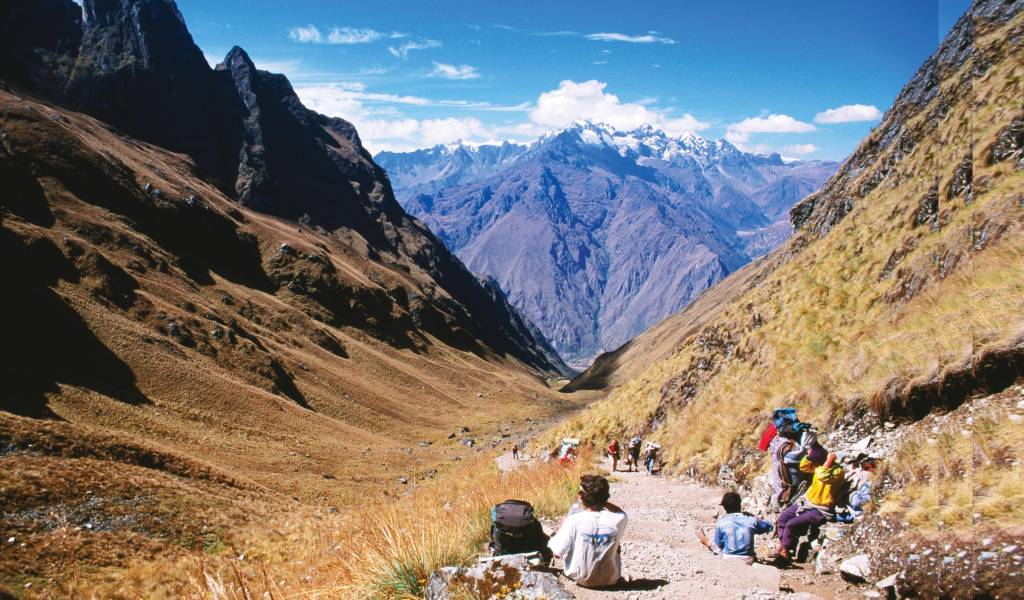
(137, 68)
(146, 34)
(237, 59)
(626, 226)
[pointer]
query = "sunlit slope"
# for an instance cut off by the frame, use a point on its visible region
(904, 288)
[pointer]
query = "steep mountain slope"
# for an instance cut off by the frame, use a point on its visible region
(901, 293)
(138, 69)
(625, 227)
(188, 352)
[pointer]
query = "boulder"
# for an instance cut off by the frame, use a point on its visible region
(855, 569)
(494, 578)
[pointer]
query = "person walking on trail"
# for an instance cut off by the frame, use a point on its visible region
(651, 457)
(588, 540)
(816, 506)
(613, 453)
(633, 454)
(515, 451)
(735, 531)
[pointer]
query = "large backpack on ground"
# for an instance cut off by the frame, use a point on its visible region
(515, 529)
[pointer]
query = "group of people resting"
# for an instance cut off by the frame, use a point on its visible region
(649, 458)
(589, 538)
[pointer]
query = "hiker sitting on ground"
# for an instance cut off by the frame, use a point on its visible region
(588, 540)
(734, 532)
(817, 505)
(613, 453)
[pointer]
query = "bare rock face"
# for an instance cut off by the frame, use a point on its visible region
(500, 577)
(624, 227)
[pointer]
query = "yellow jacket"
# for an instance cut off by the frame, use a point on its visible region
(825, 485)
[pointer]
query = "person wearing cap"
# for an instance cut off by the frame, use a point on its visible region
(735, 531)
(817, 505)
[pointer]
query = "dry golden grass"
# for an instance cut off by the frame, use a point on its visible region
(383, 550)
(965, 471)
(832, 331)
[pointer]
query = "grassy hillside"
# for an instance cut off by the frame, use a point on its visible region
(902, 291)
(183, 370)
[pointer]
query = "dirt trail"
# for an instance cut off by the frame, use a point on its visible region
(661, 557)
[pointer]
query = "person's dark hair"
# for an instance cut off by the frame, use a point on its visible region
(817, 454)
(731, 502)
(593, 491)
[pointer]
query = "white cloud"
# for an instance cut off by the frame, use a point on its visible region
(402, 51)
(800, 149)
(849, 113)
(587, 100)
(739, 133)
(382, 125)
(454, 71)
(649, 38)
(352, 35)
(308, 34)
(600, 62)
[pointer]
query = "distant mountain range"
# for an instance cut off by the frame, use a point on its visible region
(596, 234)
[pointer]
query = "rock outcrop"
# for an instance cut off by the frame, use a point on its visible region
(495, 579)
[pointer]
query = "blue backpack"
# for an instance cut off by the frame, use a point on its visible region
(781, 416)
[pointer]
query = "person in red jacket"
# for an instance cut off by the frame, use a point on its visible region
(613, 453)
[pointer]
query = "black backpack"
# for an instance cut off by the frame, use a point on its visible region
(514, 530)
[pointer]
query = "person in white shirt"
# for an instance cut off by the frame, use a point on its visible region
(589, 539)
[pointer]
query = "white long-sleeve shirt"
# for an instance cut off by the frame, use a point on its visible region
(589, 541)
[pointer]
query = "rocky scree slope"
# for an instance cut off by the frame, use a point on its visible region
(899, 295)
(626, 227)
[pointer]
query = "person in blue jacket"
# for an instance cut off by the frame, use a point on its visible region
(735, 531)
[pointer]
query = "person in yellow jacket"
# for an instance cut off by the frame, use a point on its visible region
(817, 505)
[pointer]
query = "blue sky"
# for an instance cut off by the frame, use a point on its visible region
(806, 79)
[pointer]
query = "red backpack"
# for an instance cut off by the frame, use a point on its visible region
(767, 437)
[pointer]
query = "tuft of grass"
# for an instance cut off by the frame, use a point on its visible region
(446, 524)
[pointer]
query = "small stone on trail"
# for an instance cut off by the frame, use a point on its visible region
(855, 569)
(403, 480)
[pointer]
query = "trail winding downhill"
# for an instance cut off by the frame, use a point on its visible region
(662, 559)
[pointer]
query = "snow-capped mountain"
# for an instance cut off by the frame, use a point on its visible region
(596, 233)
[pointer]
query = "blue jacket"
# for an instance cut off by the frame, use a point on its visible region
(734, 533)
